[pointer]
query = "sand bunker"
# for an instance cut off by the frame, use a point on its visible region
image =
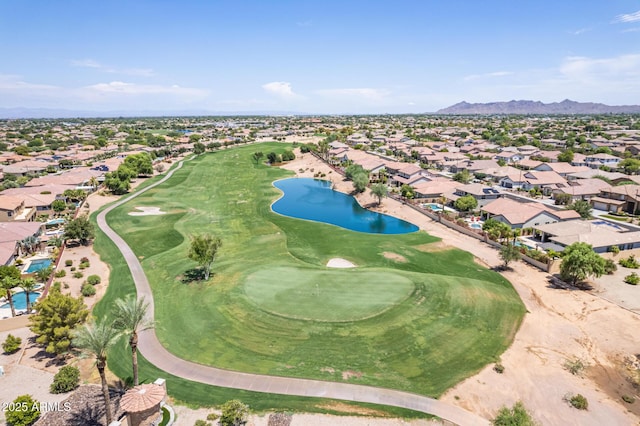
(337, 262)
(147, 211)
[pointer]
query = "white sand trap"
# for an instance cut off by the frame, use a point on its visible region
(147, 211)
(337, 262)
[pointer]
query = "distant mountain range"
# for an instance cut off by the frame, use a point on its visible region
(537, 108)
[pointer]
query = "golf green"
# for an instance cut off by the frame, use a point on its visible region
(335, 296)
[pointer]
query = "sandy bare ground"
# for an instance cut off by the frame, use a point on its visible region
(337, 262)
(559, 325)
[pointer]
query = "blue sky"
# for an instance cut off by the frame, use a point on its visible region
(315, 56)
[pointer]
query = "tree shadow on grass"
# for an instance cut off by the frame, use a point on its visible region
(193, 275)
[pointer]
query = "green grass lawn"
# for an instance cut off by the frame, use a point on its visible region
(273, 307)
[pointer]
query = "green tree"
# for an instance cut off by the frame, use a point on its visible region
(58, 206)
(323, 148)
(463, 176)
(353, 169)
(509, 253)
(234, 413)
(496, 228)
(630, 166)
(28, 285)
(360, 182)
(23, 411)
(55, 319)
(139, 164)
(582, 207)
(198, 148)
(131, 317)
(380, 191)
(203, 250)
(562, 199)
(407, 191)
(257, 156)
(565, 156)
(466, 203)
(272, 157)
(116, 185)
(96, 339)
(79, 228)
(515, 416)
(579, 261)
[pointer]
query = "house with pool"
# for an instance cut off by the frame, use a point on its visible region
(518, 214)
(601, 234)
(11, 235)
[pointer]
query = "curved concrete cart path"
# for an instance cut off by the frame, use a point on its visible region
(153, 351)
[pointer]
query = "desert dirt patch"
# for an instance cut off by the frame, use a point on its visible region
(351, 409)
(394, 256)
(147, 211)
(434, 247)
(338, 262)
(346, 375)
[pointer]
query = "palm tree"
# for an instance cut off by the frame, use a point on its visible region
(28, 285)
(95, 339)
(8, 284)
(93, 181)
(131, 317)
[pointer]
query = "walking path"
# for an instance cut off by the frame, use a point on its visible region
(153, 351)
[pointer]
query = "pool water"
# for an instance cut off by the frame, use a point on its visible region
(475, 226)
(37, 264)
(434, 207)
(20, 300)
(313, 199)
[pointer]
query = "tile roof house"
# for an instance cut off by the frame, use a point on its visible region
(482, 193)
(13, 209)
(601, 234)
(525, 214)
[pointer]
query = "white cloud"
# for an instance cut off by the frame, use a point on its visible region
(16, 82)
(605, 70)
(366, 93)
(281, 89)
(90, 63)
(627, 17)
(580, 31)
(120, 87)
(487, 75)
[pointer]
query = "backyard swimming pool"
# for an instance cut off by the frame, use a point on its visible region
(313, 199)
(36, 265)
(20, 300)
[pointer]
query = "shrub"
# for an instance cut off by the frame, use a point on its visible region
(574, 366)
(630, 262)
(614, 249)
(84, 265)
(23, 411)
(93, 279)
(498, 368)
(66, 380)
(610, 266)
(632, 279)
(68, 262)
(212, 417)
(73, 268)
(88, 290)
(61, 273)
(628, 399)
(78, 274)
(84, 259)
(234, 413)
(517, 415)
(11, 344)
(578, 401)
(202, 423)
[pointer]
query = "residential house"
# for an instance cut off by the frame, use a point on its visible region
(482, 193)
(583, 189)
(13, 209)
(601, 234)
(563, 169)
(525, 214)
(11, 233)
(622, 198)
(408, 174)
(435, 189)
(596, 161)
(23, 168)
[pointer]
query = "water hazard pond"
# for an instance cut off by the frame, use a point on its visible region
(313, 199)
